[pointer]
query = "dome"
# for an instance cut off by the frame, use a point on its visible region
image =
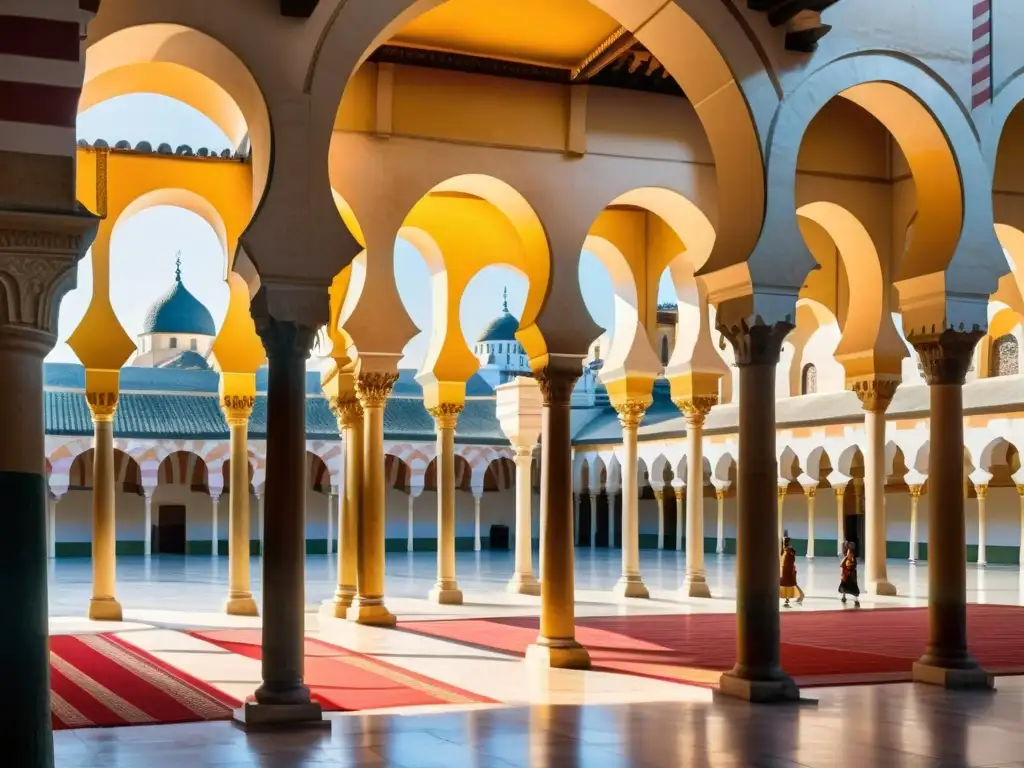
(501, 328)
(178, 311)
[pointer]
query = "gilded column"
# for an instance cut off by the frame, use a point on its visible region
(523, 581)
(810, 491)
(214, 524)
(720, 498)
(103, 606)
(695, 409)
(945, 358)
(630, 584)
(332, 505)
(372, 389)
(875, 396)
(783, 489)
(613, 505)
(981, 491)
(840, 491)
(410, 534)
(593, 521)
(680, 493)
(556, 644)
(758, 674)
(915, 497)
(237, 410)
(51, 525)
(349, 414)
(446, 591)
(659, 497)
(477, 494)
(147, 534)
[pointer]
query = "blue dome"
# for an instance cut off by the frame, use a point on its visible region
(501, 328)
(178, 311)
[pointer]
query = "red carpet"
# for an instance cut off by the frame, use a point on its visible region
(100, 680)
(819, 648)
(342, 680)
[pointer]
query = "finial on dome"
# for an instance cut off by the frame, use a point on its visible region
(504, 300)
(177, 268)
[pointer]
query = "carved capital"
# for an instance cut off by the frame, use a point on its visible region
(757, 344)
(876, 394)
(36, 270)
(659, 496)
(446, 415)
(103, 405)
(237, 408)
(347, 410)
(981, 491)
(524, 453)
(840, 492)
(556, 385)
(783, 490)
(284, 340)
(915, 491)
(810, 491)
(696, 409)
(373, 389)
(946, 357)
(1020, 490)
(631, 413)
(720, 494)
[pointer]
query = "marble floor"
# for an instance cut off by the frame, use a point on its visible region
(544, 717)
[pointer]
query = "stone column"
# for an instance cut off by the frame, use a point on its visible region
(556, 644)
(981, 491)
(611, 492)
(783, 489)
(51, 526)
(446, 590)
(332, 505)
(147, 540)
(840, 491)
(720, 498)
(523, 581)
(680, 500)
(214, 524)
(283, 697)
(593, 521)
(810, 491)
(237, 410)
(696, 410)
(1020, 554)
(477, 493)
(875, 396)
(103, 606)
(915, 497)
(38, 253)
(659, 496)
(945, 358)
(758, 674)
(411, 523)
(578, 502)
(630, 583)
(349, 414)
(372, 389)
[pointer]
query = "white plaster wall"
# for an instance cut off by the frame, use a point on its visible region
(820, 351)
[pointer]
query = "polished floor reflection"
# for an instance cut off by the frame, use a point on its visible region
(894, 725)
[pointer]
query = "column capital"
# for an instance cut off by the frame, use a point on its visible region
(102, 404)
(347, 410)
(915, 490)
(840, 490)
(631, 412)
(946, 356)
(523, 452)
(876, 394)
(810, 491)
(757, 344)
(981, 491)
(237, 409)
(374, 387)
(556, 384)
(445, 415)
(782, 491)
(720, 493)
(659, 494)
(696, 408)
(284, 339)
(1020, 490)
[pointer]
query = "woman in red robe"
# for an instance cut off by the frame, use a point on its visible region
(848, 575)
(788, 588)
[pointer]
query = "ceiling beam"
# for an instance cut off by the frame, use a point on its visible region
(299, 9)
(610, 49)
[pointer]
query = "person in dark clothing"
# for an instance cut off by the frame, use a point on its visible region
(848, 575)
(788, 588)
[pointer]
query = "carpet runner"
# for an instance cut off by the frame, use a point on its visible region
(343, 680)
(819, 648)
(101, 680)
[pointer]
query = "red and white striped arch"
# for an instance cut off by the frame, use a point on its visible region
(127, 476)
(188, 469)
(42, 66)
(981, 53)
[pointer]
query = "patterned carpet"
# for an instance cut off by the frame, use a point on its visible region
(101, 680)
(819, 648)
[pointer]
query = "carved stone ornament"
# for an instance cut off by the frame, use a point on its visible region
(1020, 490)
(237, 408)
(720, 493)
(631, 413)
(373, 389)
(31, 286)
(696, 408)
(757, 344)
(946, 356)
(102, 404)
(876, 394)
(915, 491)
(556, 385)
(347, 411)
(446, 415)
(810, 491)
(981, 491)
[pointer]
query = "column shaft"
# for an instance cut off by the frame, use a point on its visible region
(982, 494)
(810, 492)
(147, 544)
(51, 526)
(477, 544)
(332, 509)
(350, 419)
(915, 497)
(630, 583)
(410, 539)
(680, 522)
(556, 644)
(612, 505)
(782, 491)
(875, 571)
(593, 522)
(840, 491)
(659, 496)
(240, 601)
(696, 584)
(523, 581)
(446, 590)
(214, 525)
(104, 606)
(368, 606)
(720, 498)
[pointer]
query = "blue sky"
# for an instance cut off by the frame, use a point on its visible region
(144, 248)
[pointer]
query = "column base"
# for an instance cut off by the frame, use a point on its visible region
(266, 717)
(779, 690)
(445, 593)
(523, 584)
(557, 654)
(631, 586)
(970, 678)
(105, 609)
(242, 605)
(693, 588)
(883, 588)
(373, 614)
